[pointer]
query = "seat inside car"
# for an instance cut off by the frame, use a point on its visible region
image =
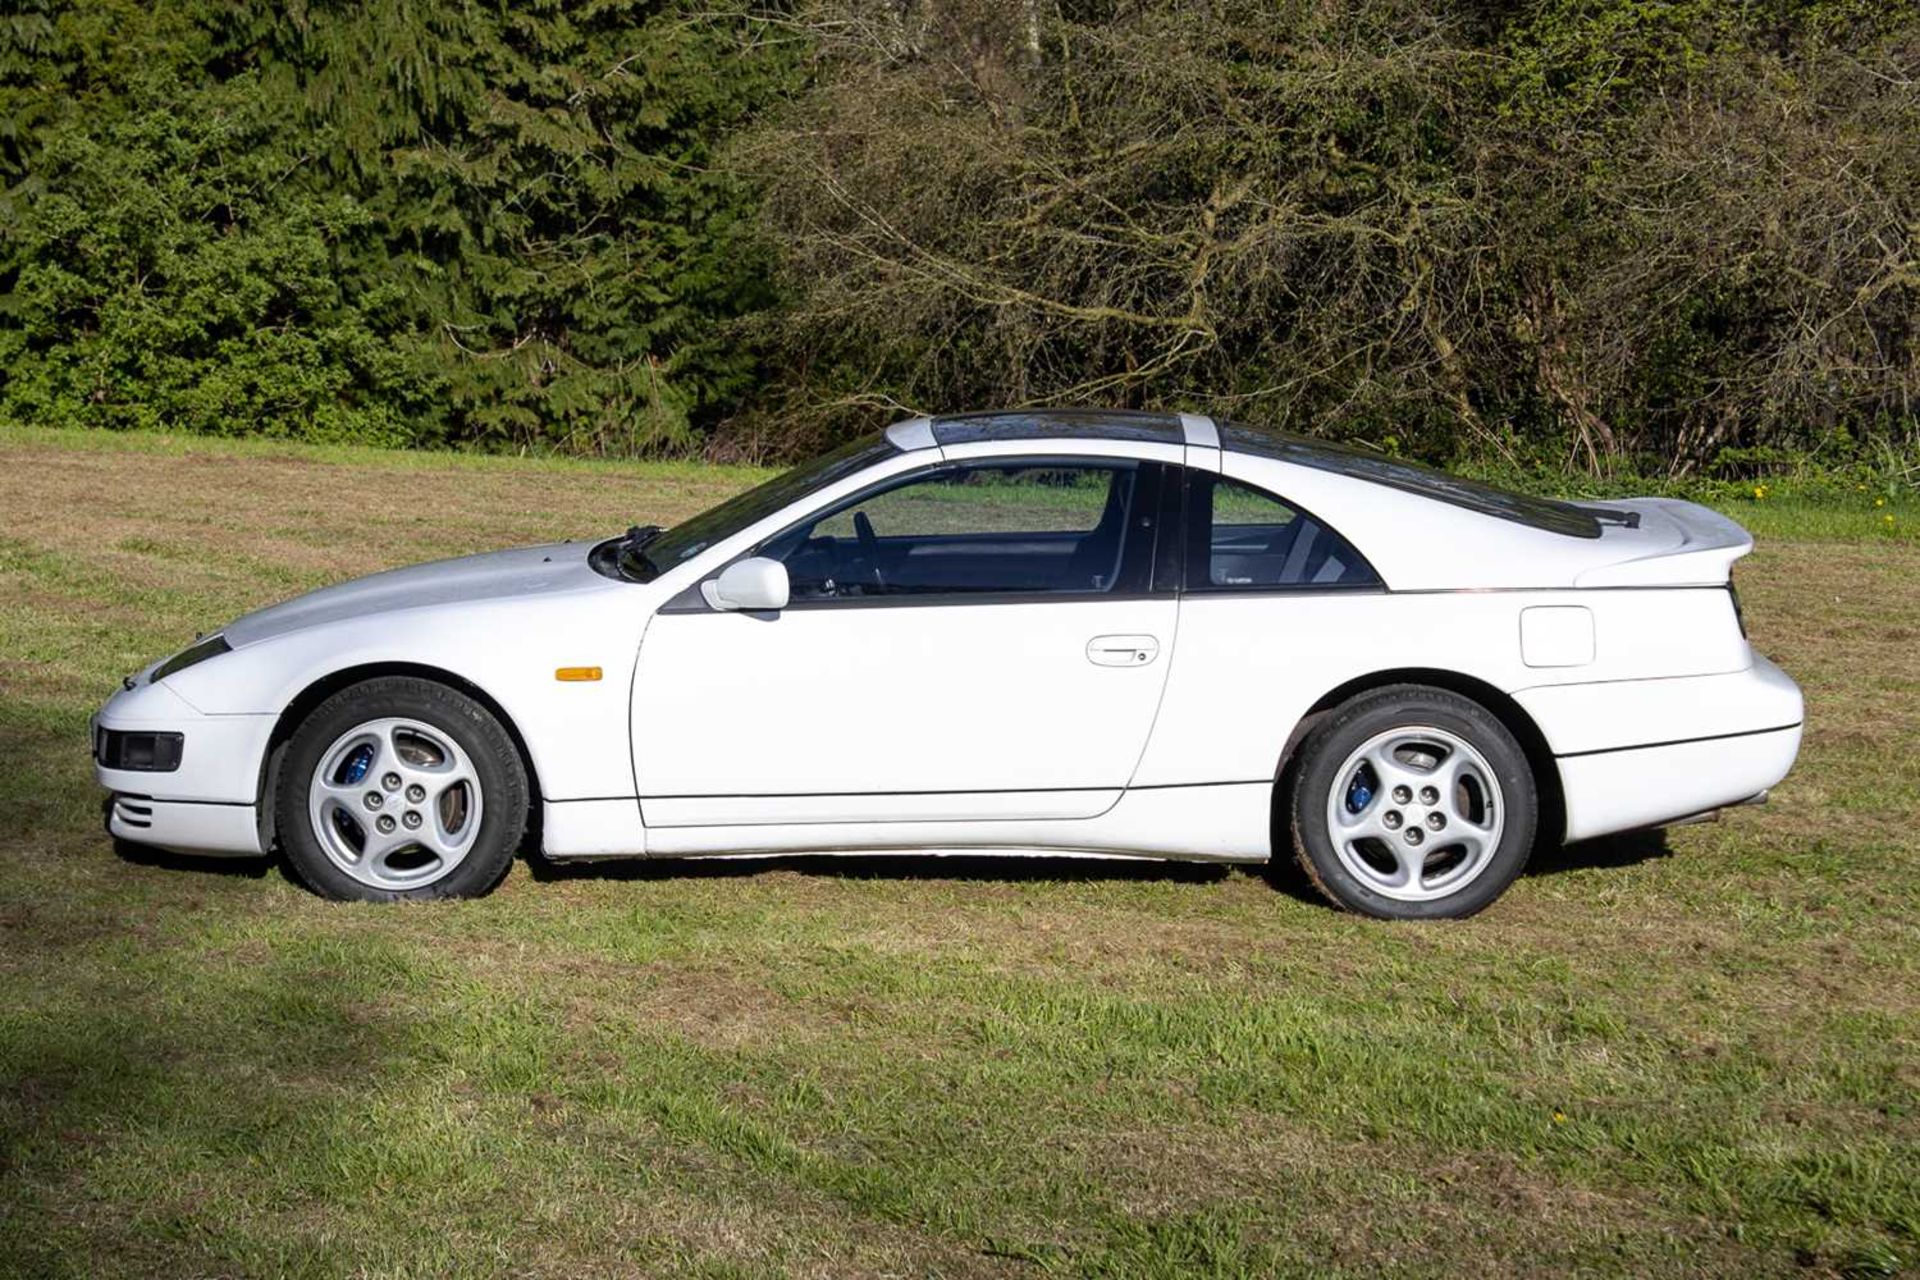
(1097, 557)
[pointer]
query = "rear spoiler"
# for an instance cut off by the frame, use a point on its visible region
(1670, 543)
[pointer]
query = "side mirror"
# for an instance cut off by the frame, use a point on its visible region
(754, 585)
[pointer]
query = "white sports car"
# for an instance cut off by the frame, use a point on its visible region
(1099, 632)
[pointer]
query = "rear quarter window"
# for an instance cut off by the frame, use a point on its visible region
(1547, 514)
(1245, 539)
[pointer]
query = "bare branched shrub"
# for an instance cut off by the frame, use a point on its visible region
(1734, 265)
(1424, 225)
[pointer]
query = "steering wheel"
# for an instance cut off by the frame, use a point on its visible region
(869, 546)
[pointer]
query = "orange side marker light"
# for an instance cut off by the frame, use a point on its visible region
(576, 673)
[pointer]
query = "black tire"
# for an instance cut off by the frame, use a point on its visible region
(1349, 727)
(496, 761)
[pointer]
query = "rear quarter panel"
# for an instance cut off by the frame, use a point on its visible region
(1247, 667)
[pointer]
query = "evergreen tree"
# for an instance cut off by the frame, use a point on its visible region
(490, 224)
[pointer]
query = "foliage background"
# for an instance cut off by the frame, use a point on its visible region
(1666, 237)
(437, 222)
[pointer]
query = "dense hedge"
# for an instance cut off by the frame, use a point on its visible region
(1658, 234)
(492, 224)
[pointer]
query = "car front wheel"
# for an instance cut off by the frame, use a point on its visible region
(399, 788)
(1413, 803)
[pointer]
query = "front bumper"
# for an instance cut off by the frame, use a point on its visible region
(209, 803)
(186, 826)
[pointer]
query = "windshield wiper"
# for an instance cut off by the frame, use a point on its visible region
(638, 536)
(1613, 515)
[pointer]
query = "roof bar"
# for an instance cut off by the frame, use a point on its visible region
(1200, 431)
(913, 433)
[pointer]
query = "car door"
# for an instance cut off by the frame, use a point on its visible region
(1277, 608)
(977, 639)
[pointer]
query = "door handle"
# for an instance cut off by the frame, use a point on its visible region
(1122, 651)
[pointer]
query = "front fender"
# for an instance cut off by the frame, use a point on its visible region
(576, 731)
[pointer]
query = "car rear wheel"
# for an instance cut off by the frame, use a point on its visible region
(1413, 803)
(399, 788)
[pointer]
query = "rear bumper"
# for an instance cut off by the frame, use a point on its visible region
(1643, 753)
(1652, 786)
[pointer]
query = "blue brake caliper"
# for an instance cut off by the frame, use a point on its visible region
(356, 766)
(1359, 794)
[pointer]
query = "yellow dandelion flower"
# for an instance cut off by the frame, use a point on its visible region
(1559, 1117)
(1879, 502)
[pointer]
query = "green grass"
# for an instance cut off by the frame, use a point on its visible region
(1859, 521)
(1659, 1055)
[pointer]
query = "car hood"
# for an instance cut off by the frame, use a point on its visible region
(495, 575)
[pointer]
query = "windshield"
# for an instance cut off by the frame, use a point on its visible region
(660, 552)
(1537, 513)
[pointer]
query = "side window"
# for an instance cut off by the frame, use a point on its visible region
(985, 528)
(1253, 540)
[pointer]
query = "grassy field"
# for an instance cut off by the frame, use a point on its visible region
(1692, 1053)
